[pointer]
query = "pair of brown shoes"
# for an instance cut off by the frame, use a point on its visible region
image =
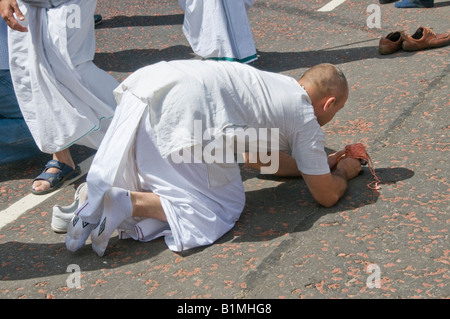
(423, 38)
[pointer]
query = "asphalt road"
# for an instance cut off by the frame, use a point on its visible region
(374, 244)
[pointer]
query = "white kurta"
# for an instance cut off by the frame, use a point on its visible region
(65, 99)
(227, 95)
(219, 29)
(201, 201)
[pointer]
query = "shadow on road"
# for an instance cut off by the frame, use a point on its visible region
(270, 212)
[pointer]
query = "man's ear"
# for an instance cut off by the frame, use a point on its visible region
(329, 103)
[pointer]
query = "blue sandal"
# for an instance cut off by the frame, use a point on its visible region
(56, 179)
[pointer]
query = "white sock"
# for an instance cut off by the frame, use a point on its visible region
(78, 231)
(116, 208)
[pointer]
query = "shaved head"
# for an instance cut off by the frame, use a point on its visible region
(326, 80)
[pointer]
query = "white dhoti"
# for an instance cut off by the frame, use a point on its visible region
(219, 29)
(158, 108)
(65, 99)
(197, 214)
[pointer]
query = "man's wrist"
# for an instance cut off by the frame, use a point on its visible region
(340, 173)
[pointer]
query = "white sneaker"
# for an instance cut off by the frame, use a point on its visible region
(62, 215)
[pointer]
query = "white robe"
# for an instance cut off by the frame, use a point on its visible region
(197, 214)
(65, 99)
(219, 29)
(201, 201)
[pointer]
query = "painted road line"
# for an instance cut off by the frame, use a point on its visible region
(330, 6)
(28, 202)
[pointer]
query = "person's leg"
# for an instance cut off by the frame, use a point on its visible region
(147, 205)
(16, 141)
(120, 204)
(77, 111)
(219, 30)
(9, 107)
(94, 90)
(415, 4)
(108, 169)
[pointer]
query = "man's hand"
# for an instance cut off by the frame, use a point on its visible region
(7, 10)
(351, 167)
(333, 159)
(327, 189)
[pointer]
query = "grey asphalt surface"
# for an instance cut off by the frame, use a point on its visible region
(284, 246)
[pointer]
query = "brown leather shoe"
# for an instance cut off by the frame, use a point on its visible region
(391, 43)
(425, 38)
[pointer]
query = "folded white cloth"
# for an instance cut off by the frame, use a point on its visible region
(65, 99)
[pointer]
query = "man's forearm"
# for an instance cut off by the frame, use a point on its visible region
(287, 166)
(340, 179)
(327, 189)
(9, 8)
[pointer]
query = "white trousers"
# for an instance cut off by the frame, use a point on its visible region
(65, 99)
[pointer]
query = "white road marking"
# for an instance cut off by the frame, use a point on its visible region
(28, 202)
(330, 6)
